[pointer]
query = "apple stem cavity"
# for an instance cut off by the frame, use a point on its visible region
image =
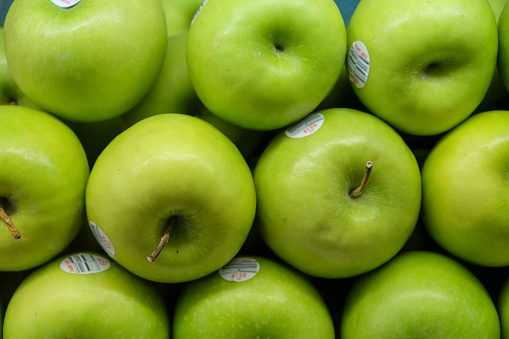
(8, 222)
(358, 191)
(164, 240)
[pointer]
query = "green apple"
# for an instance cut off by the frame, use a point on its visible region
(172, 181)
(464, 190)
(179, 14)
(89, 62)
(314, 209)
(265, 64)
(419, 294)
(43, 178)
(422, 66)
(85, 295)
(252, 297)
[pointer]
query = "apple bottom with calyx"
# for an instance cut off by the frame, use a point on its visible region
(85, 295)
(252, 297)
(263, 65)
(416, 82)
(419, 294)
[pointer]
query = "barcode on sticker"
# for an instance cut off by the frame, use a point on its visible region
(358, 64)
(240, 269)
(306, 126)
(84, 263)
(65, 3)
(102, 239)
(198, 11)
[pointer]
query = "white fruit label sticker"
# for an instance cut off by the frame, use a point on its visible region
(306, 126)
(240, 269)
(83, 263)
(358, 64)
(102, 239)
(65, 3)
(198, 11)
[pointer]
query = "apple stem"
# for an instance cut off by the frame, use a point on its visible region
(8, 222)
(358, 191)
(164, 240)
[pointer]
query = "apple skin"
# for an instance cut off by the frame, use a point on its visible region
(10, 94)
(304, 211)
(172, 165)
(497, 92)
(265, 64)
(91, 62)
(248, 141)
(43, 177)
(503, 307)
(52, 303)
(464, 190)
(503, 44)
(179, 14)
(419, 295)
(497, 6)
(172, 91)
(278, 302)
(431, 62)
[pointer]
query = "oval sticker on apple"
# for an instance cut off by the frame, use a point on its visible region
(306, 126)
(102, 239)
(84, 263)
(358, 64)
(198, 11)
(240, 269)
(65, 3)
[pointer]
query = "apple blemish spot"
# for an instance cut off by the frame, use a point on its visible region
(102, 239)
(240, 269)
(358, 64)
(65, 3)
(84, 263)
(306, 126)
(198, 11)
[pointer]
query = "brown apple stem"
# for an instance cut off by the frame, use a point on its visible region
(8, 222)
(163, 241)
(358, 191)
